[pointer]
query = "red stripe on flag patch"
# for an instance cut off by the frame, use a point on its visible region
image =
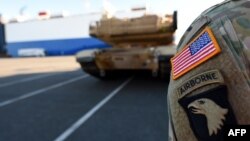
(202, 48)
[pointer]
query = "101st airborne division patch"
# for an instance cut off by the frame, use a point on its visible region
(199, 50)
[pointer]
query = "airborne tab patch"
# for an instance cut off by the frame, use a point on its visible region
(202, 48)
(202, 79)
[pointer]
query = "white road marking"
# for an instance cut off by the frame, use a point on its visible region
(26, 79)
(41, 91)
(90, 113)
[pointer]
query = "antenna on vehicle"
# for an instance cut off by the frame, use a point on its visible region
(109, 9)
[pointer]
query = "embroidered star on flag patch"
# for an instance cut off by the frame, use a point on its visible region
(199, 50)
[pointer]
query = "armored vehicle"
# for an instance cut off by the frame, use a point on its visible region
(141, 43)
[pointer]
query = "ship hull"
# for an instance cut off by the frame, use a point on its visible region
(59, 36)
(57, 47)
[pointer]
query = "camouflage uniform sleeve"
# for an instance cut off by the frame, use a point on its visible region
(206, 95)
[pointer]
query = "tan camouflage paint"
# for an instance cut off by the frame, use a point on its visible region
(134, 41)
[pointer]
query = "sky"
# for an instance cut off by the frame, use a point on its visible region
(188, 10)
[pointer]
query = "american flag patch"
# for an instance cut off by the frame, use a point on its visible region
(202, 48)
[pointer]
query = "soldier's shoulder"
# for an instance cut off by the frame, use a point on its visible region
(225, 6)
(213, 8)
(230, 8)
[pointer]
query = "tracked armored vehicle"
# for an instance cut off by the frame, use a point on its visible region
(142, 43)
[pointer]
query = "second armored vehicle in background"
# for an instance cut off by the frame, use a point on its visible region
(142, 43)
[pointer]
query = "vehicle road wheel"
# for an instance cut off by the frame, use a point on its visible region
(92, 69)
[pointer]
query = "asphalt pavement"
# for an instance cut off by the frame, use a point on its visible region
(61, 103)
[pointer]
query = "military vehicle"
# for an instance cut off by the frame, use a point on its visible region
(141, 43)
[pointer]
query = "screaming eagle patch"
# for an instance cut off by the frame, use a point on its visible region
(208, 113)
(202, 48)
